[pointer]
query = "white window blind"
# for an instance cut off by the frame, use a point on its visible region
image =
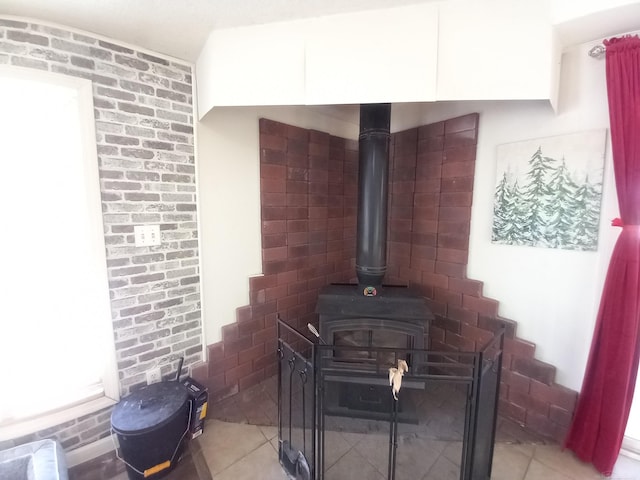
(56, 340)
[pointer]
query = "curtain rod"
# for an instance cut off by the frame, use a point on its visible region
(597, 51)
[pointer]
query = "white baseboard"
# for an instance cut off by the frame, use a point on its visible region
(630, 448)
(89, 452)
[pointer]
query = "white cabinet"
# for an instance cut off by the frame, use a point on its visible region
(259, 65)
(454, 50)
(377, 56)
(496, 50)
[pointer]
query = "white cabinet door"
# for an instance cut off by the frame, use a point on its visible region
(376, 56)
(496, 50)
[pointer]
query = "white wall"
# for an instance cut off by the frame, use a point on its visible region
(229, 194)
(576, 22)
(552, 294)
(568, 10)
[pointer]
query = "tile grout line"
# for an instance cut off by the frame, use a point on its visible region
(244, 456)
(561, 472)
(351, 447)
(526, 470)
(427, 475)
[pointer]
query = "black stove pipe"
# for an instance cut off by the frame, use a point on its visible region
(373, 180)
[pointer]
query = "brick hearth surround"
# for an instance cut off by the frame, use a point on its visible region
(309, 197)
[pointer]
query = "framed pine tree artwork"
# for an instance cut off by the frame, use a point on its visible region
(548, 191)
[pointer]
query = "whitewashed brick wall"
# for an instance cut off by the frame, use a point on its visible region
(144, 128)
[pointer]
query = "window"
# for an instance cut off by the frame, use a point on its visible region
(57, 359)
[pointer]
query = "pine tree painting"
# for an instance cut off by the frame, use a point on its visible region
(548, 191)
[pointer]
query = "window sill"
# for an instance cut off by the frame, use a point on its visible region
(31, 425)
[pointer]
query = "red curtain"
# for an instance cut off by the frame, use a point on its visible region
(601, 415)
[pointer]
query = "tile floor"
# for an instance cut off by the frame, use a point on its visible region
(240, 442)
(236, 451)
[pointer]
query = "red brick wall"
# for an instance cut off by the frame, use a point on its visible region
(309, 198)
(308, 191)
(432, 174)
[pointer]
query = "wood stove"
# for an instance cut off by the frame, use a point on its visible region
(369, 314)
(342, 382)
(395, 318)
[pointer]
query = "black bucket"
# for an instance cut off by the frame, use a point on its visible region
(151, 426)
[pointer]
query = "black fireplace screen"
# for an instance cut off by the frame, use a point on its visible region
(339, 419)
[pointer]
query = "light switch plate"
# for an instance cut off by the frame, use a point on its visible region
(146, 235)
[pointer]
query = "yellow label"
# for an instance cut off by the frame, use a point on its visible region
(161, 466)
(203, 413)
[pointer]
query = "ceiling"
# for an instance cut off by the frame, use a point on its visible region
(178, 28)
